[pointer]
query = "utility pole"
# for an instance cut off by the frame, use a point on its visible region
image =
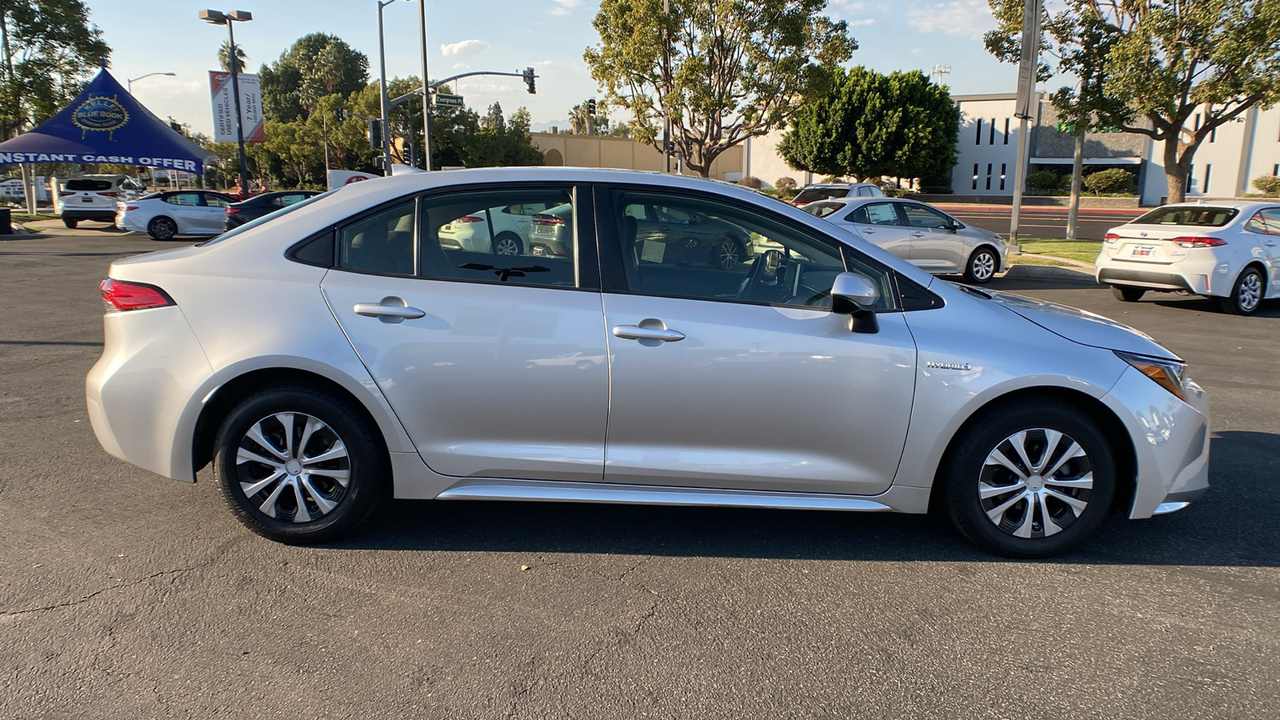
(382, 85)
(1027, 70)
(426, 92)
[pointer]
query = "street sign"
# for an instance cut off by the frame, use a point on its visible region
(448, 100)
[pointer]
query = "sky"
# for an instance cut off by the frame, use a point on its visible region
(149, 36)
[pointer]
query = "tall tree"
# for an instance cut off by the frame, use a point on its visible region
(901, 125)
(224, 57)
(316, 65)
(49, 50)
(722, 71)
(1155, 63)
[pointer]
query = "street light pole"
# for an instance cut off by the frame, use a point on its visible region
(129, 83)
(386, 110)
(216, 17)
(426, 92)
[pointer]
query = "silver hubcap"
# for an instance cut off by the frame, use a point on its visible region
(727, 254)
(507, 246)
(1250, 291)
(1035, 483)
(294, 467)
(984, 266)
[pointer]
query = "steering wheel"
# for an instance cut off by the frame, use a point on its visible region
(765, 273)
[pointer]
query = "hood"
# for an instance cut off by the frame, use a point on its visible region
(1082, 327)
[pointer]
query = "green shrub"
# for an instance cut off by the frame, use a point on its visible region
(751, 182)
(1268, 184)
(1115, 180)
(785, 185)
(1043, 181)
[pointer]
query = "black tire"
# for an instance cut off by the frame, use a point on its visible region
(728, 253)
(306, 503)
(507, 244)
(982, 520)
(983, 265)
(1247, 293)
(1128, 294)
(162, 228)
(70, 222)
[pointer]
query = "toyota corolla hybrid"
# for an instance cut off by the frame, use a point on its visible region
(344, 353)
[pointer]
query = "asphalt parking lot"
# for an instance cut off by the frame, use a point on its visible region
(123, 594)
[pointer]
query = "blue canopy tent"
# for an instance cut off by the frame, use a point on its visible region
(104, 124)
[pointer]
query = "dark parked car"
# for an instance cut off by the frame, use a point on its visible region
(259, 205)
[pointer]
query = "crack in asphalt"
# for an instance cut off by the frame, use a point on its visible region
(96, 593)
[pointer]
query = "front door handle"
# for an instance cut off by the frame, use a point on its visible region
(917, 233)
(389, 309)
(650, 332)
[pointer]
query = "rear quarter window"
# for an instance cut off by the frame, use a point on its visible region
(813, 194)
(88, 185)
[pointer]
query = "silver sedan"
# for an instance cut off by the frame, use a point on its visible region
(920, 234)
(343, 354)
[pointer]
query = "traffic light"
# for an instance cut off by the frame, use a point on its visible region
(591, 107)
(375, 132)
(529, 78)
(341, 114)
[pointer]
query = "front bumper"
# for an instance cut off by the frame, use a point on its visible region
(1170, 440)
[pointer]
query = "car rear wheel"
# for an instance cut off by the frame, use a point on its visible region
(728, 253)
(299, 465)
(983, 265)
(70, 222)
(1127, 294)
(1246, 294)
(507, 244)
(162, 228)
(1032, 480)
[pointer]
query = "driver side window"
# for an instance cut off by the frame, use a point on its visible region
(728, 254)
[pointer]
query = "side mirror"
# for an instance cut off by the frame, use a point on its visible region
(855, 295)
(953, 226)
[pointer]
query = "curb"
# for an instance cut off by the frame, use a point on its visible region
(1079, 274)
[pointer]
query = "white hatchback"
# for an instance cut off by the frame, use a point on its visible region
(1227, 250)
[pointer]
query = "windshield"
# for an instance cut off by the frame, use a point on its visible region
(265, 219)
(1193, 215)
(811, 194)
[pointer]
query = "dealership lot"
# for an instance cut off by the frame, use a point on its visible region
(123, 594)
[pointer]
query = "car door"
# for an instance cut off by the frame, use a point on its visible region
(213, 211)
(934, 246)
(879, 223)
(186, 210)
(745, 378)
(495, 364)
(1265, 226)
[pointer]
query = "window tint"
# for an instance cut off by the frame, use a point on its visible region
(875, 214)
(88, 185)
(1195, 215)
(921, 216)
(726, 253)
(812, 194)
(822, 209)
(286, 200)
(215, 201)
(380, 243)
(472, 236)
(184, 199)
(1266, 222)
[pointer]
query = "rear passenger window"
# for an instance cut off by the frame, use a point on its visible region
(875, 214)
(517, 236)
(381, 243)
(184, 199)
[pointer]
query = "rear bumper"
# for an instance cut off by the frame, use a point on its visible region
(75, 213)
(1205, 275)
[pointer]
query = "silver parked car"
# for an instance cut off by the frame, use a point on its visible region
(920, 234)
(343, 353)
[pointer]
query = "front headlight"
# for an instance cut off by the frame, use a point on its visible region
(1168, 374)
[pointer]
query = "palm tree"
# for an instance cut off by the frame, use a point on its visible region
(224, 57)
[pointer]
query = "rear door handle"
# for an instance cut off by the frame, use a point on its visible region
(390, 309)
(649, 329)
(917, 233)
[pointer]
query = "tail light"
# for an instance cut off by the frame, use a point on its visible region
(64, 193)
(128, 208)
(1111, 237)
(109, 194)
(547, 220)
(119, 296)
(232, 210)
(1199, 242)
(469, 219)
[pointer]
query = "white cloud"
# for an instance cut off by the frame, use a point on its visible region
(860, 23)
(846, 5)
(563, 7)
(461, 66)
(463, 46)
(970, 18)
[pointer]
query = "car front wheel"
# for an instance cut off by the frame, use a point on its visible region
(299, 465)
(1030, 481)
(1246, 294)
(162, 228)
(983, 265)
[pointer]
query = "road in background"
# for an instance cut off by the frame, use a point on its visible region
(126, 595)
(1038, 222)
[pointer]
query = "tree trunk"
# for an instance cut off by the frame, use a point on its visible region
(1176, 173)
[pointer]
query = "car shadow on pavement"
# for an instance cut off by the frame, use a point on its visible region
(1267, 309)
(1015, 284)
(1233, 525)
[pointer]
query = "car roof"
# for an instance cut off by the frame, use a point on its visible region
(1237, 204)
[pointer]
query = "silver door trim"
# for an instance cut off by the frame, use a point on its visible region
(653, 495)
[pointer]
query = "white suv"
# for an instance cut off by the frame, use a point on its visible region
(94, 197)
